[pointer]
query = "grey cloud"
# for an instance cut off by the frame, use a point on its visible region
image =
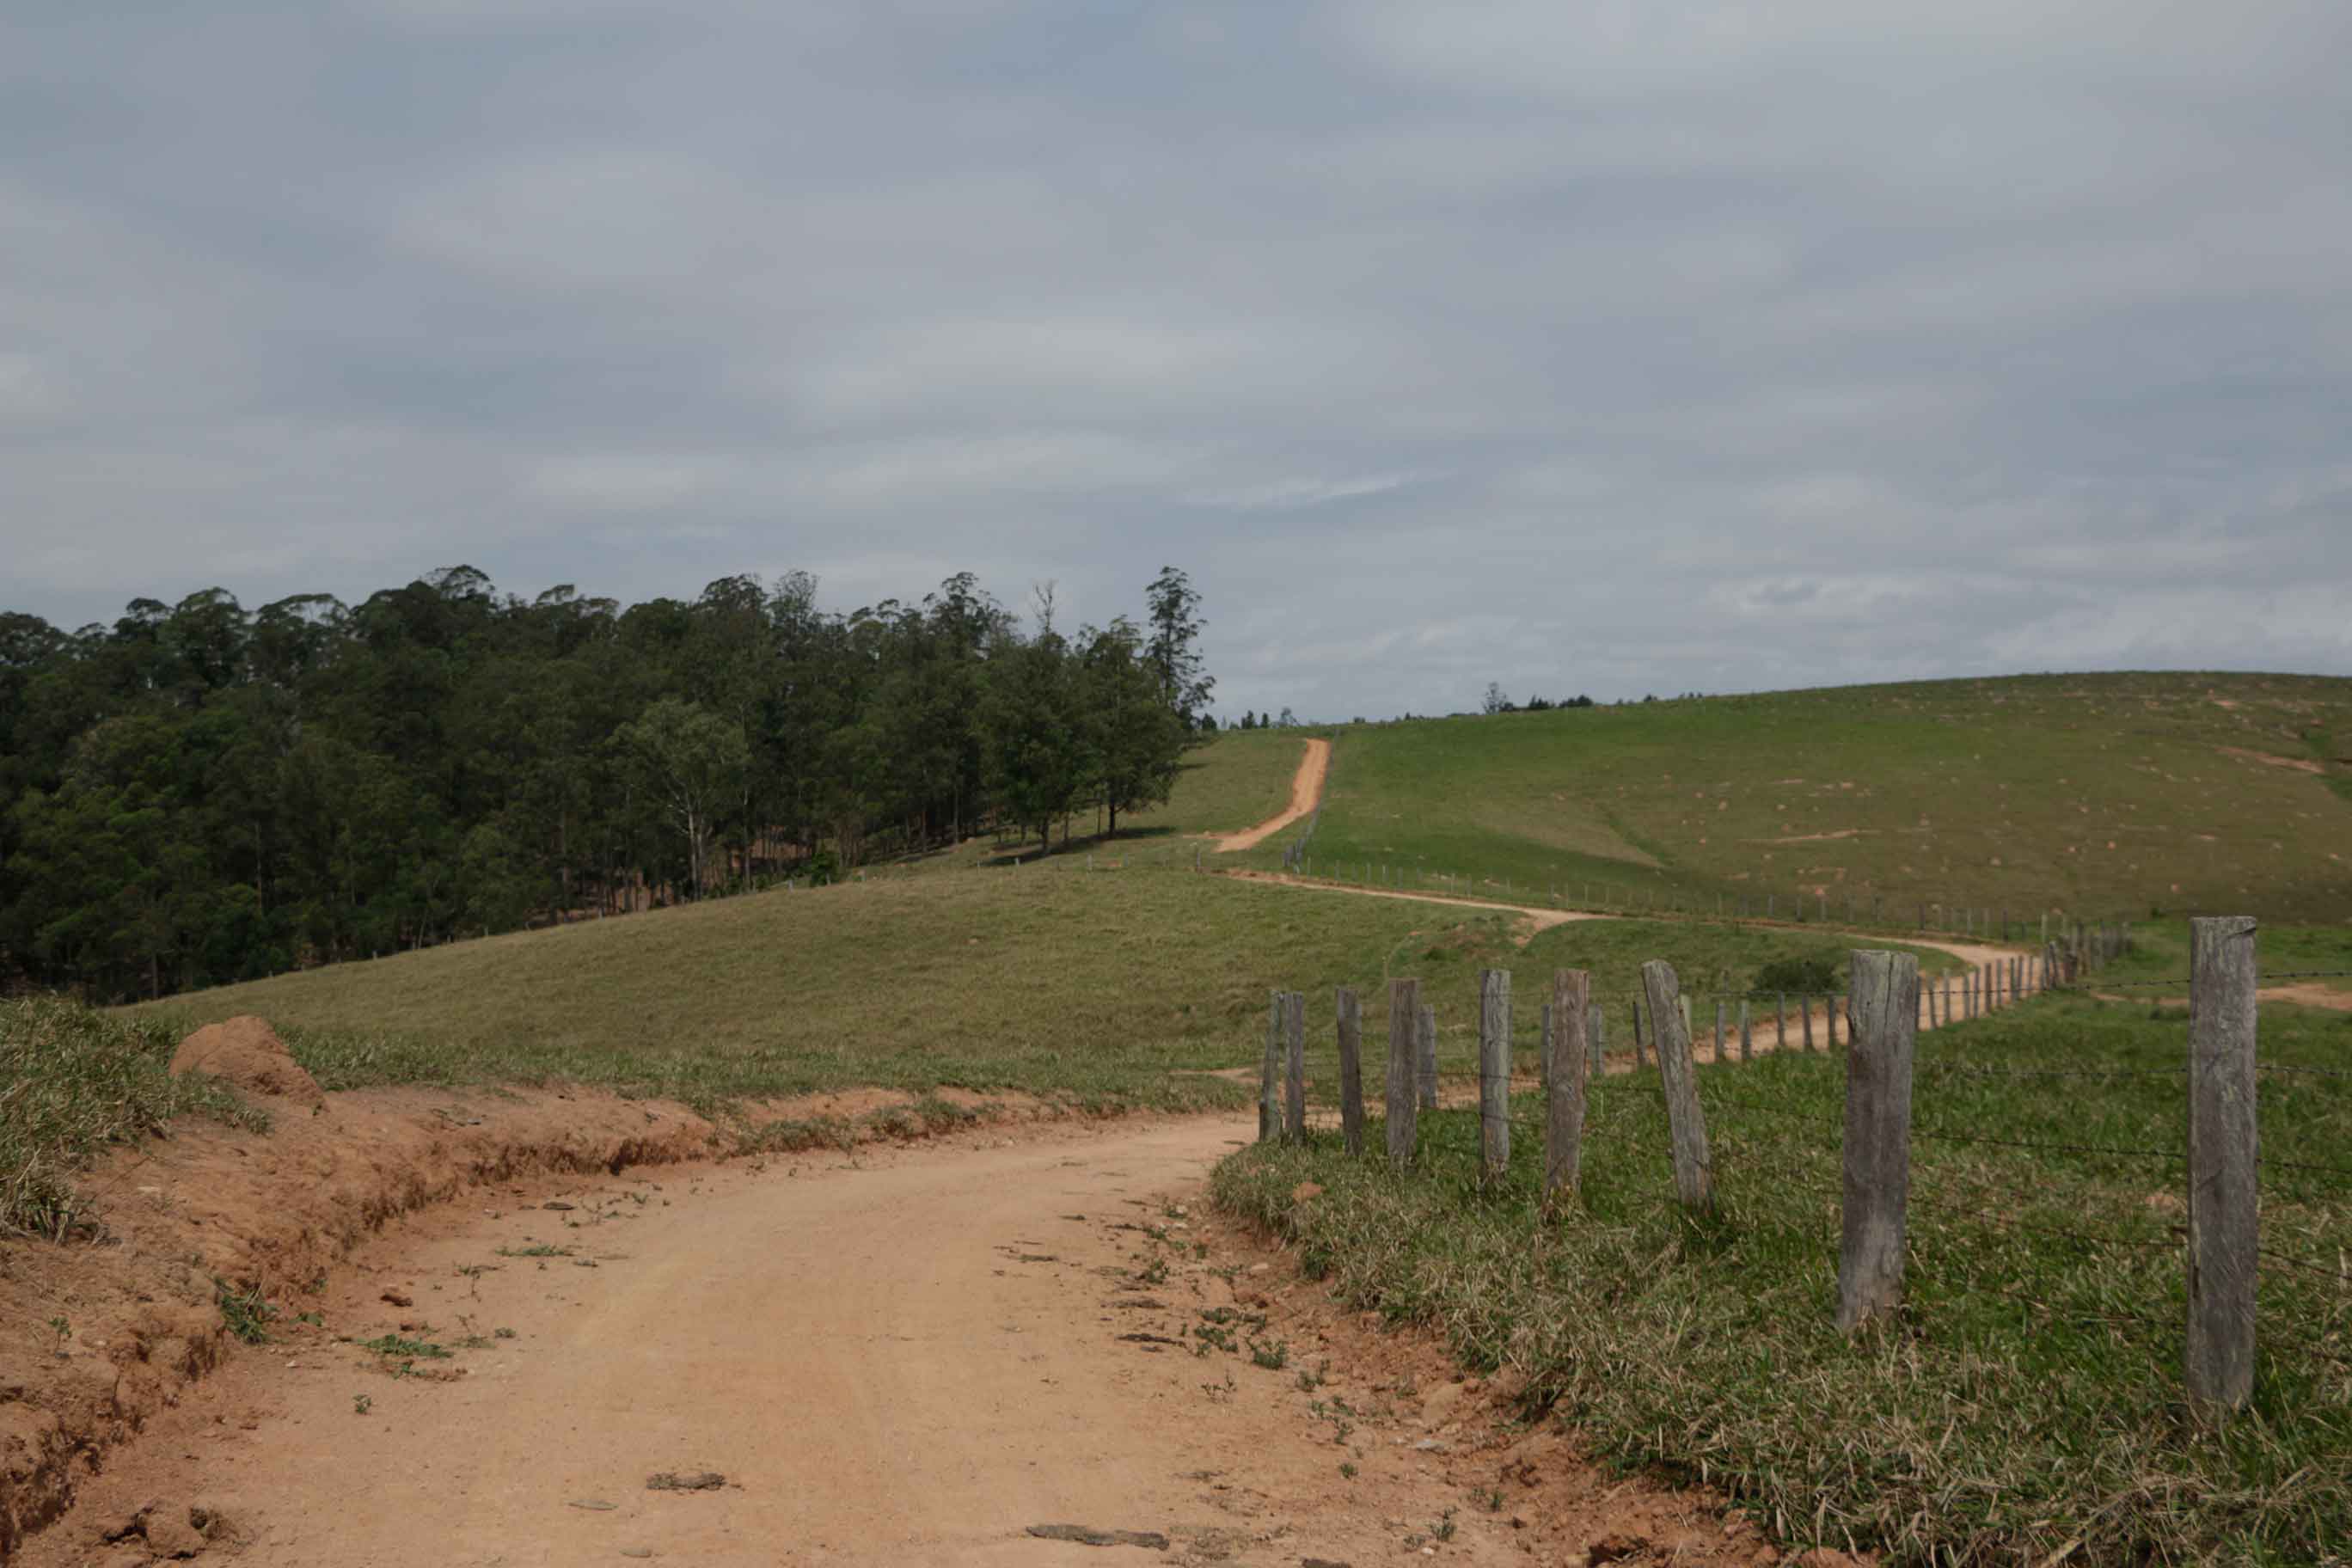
(1612, 348)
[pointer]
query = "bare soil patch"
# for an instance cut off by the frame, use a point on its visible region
(2268, 759)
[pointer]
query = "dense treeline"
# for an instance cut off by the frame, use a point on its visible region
(197, 794)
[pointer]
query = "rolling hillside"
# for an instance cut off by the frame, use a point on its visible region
(1112, 987)
(2116, 795)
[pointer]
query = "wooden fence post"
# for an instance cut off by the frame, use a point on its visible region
(1719, 1028)
(1638, 1063)
(1269, 1084)
(1746, 1041)
(1805, 1006)
(1572, 996)
(1293, 1077)
(1693, 1170)
(1495, 1071)
(1350, 1011)
(1404, 1010)
(1596, 1024)
(1424, 1024)
(1875, 1211)
(1781, 1021)
(2222, 1148)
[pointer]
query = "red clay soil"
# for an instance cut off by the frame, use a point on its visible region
(925, 1353)
(98, 1338)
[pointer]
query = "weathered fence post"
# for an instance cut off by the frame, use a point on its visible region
(1781, 1021)
(1405, 1009)
(1805, 1006)
(2222, 1149)
(1495, 1071)
(1719, 1028)
(1571, 994)
(1693, 1170)
(1746, 1041)
(1596, 1026)
(1294, 1076)
(1877, 1136)
(1350, 1011)
(1269, 1085)
(1424, 1046)
(1638, 1063)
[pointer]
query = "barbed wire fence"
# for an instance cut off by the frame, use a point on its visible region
(2216, 1176)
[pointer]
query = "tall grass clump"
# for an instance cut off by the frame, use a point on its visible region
(73, 1081)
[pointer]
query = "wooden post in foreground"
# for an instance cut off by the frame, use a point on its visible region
(1693, 1170)
(1351, 1013)
(1424, 1046)
(1875, 1213)
(2222, 1148)
(1294, 1075)
(1405, 1009)
(1269, 1083)
(1571, 994)
(1495, 1071)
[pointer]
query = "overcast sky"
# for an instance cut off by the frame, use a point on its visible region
(1622, 347)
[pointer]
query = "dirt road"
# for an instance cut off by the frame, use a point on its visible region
(1305, 789)
(911, 1357)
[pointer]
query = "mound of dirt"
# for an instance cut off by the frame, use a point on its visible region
(247, 1052)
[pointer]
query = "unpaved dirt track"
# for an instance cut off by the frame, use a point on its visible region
(906, 1358)
(1305, 789)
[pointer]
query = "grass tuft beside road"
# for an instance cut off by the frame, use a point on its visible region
(2030, 1394)
(73, 1081)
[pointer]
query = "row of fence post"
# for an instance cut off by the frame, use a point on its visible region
(1883, 1019)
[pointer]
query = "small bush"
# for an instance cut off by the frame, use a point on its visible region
(73, 1081)
(1812, 975)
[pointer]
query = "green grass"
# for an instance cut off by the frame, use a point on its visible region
(1100, 989)
(2107, 795)
(72, 1082)
(2030, 1394)
(2159, 951)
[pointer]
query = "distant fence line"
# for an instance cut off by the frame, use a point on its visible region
(1885, 1008)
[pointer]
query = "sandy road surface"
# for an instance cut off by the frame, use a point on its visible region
(906, 1358)
(1305, 789)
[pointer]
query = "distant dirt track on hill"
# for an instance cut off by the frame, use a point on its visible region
(1305, 789)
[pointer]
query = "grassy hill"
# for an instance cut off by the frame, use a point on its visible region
(1109, 986)
(2110, 795)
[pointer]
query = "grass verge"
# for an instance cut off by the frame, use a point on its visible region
(73, 1081)
(2028, 1397)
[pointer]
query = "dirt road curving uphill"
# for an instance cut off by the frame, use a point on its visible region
(1305, 789)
